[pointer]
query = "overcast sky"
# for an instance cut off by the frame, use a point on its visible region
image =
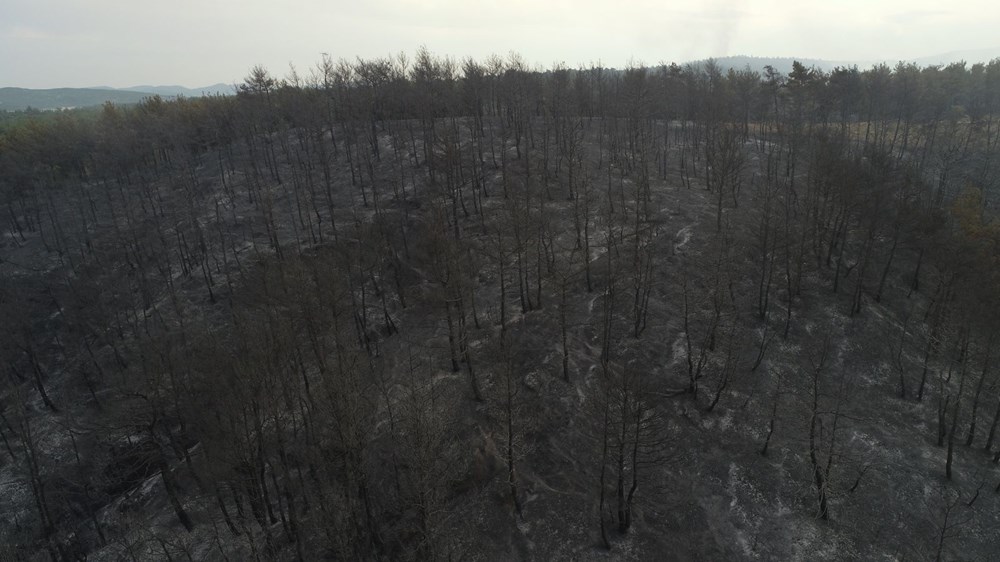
(52, 43)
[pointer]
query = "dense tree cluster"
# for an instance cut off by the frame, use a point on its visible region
(326, 315)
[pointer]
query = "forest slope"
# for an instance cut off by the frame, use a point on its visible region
(402, 314)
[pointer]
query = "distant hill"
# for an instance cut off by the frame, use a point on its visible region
(971, 57)
(182, 91)
(781, 64)
(15, 99)
(784, 64)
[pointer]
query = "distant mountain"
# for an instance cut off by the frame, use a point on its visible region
(970, 56)
(214, 89)
(781, 64)
(14, 99)
(784, 64)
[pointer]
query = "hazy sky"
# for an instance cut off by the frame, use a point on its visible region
(51, 43)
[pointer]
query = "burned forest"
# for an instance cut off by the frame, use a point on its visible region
(426, 308)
